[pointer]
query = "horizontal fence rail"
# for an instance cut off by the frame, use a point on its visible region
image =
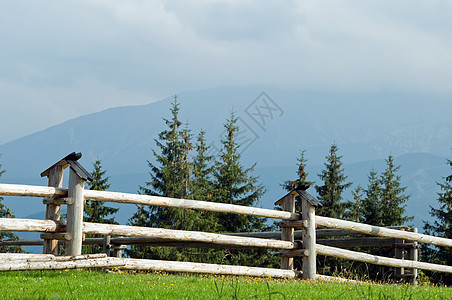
(180, 235)
(381, 231)
(50, 192)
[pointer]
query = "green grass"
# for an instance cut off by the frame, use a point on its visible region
(83, 284)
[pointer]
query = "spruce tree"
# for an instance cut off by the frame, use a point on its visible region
(96, 211)
(334, 183)
(442, 227)
(355, 213)
(393, 197)
(372, 212)
(234, 184)
(5, 212)
(170, 177)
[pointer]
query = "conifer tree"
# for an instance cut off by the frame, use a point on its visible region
(234, 184)
(334, 183)
(355, 213)
(5, 212)
(96, 211)
(170, 177)
(393, 200)
(442, 227)
(289, 185)
(372, 213)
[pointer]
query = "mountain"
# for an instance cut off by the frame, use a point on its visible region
(274, 126)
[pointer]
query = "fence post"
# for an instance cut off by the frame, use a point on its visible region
(76, 201)
(413, 255)
(309, 240)
(55, 177)
(287, 233)
(399, 250)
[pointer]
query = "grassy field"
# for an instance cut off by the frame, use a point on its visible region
(83, 284)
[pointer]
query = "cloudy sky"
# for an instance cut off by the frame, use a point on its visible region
(63, 59)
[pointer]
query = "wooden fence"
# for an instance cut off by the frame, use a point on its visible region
(289, 245)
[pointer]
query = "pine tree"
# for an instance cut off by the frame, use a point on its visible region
(5, 212)
(96, 211)
(355, 213)
(442, 227)
(330, 193)
(234, 184)
(170, 177)
(372, 212)
(392, 196)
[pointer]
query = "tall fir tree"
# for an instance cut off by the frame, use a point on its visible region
(97, 211)
(372, 212)
(234, 184)
(334, 183)
(393, 198)
(5, 212)
(170, 177)
(442, 227)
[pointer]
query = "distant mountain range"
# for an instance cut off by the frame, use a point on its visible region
(274, 127)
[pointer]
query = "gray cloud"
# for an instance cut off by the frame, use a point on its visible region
(84, 56)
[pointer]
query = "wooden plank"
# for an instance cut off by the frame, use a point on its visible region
(381, 231)
(309, 241)
(192, 204)
(75, 214)
(189, 267)
(48, 192)
(287, 234)
(31, 191)
(358, 242)
(29, 225)
(61, 265)
(380, 260)
(179, 235)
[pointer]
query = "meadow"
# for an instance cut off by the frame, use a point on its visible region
(87, 284)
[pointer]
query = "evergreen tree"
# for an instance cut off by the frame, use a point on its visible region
(372, 212)
(234, 184)
(5, 212)
(392, 196)
(355, 213)
(330, 193)
(170, 177)
(96, 211)
(442, 227)
(289, 185)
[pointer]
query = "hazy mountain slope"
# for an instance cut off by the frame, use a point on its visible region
(366, 128)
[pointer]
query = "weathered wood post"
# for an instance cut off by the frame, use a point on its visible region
(287, 233)
(413, 255)
(308, 205)
(55, 176)
(399, 249)
(75, 203)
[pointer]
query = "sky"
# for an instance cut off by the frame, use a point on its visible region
(63, 59)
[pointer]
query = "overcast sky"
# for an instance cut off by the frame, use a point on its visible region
(63, 59)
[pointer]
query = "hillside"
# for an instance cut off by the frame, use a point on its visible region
(416, 131)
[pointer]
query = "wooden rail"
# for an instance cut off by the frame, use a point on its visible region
(72, 232)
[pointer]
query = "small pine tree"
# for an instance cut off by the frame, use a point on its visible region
(5, 212)
(393, 200)
(372, 213)
(442, 227)
(334, 183)
(289, 185)
(355, 213)
(96, 211)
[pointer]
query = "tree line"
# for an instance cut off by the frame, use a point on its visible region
(183, 168)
